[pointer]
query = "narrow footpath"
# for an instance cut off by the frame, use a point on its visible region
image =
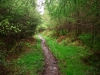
(51, 66)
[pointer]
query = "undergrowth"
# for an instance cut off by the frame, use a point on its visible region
(30, 62)
(69, 58)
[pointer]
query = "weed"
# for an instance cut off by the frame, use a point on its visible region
(30, 62)
(69, 58)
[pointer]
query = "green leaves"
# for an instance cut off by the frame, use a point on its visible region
(8, 28)
(18, 17)
(18, 20)
(70, 8)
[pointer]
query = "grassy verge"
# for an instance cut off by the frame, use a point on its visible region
(30, 62)
(69, 58)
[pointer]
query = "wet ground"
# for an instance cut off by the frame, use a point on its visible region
(51, 66)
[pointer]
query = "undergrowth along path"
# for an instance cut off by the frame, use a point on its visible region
(51, 66)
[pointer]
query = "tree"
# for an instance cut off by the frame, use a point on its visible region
(18, 20)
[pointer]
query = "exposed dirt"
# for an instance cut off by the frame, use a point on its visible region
(51, 66)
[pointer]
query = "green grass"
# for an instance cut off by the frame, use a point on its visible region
(69, 58)
(30, 62)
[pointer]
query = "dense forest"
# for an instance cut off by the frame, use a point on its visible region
(81, 17)
(79, 20)
(63, 23)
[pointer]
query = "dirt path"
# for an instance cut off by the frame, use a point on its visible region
(51, 67)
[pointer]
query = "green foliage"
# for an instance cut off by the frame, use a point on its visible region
(18, 20)
(90, 41)
(86, 38)
(7, 28)
(78, 16)
(71, 7)
(28, 62)
(81, 17)
(18, 17)
(69, 58)
(80, 13)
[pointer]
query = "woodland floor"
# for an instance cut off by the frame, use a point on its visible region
(51, 66)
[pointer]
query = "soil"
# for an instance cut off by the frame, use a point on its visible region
(51, 66)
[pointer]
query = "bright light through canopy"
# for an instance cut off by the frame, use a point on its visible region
(40, 6)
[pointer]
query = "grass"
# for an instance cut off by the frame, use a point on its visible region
(30, 62)
(69, 58)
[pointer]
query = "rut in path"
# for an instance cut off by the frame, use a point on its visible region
(51, 67)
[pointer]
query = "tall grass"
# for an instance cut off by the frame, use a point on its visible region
(30, 62)
(69, 58)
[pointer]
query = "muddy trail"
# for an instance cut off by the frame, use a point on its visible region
(51, 66)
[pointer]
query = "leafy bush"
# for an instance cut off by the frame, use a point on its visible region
(7, 28)
(89, 40)
(18, 20)
(86, 38)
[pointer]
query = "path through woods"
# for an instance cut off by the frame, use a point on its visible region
(51, 67)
